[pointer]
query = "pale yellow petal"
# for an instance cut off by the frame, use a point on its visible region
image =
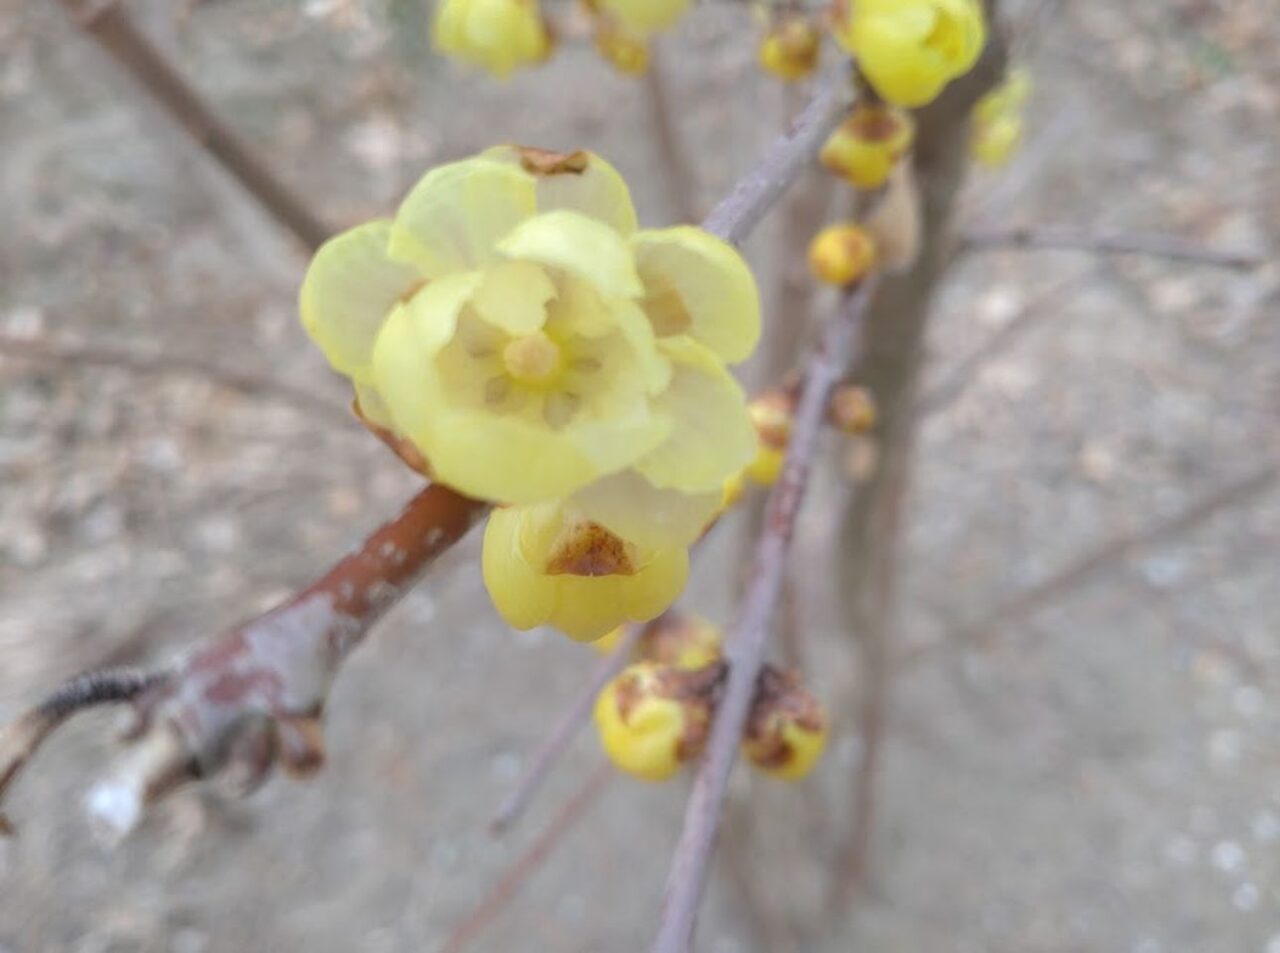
(646, 16)
(711, 437)
(699, 285)
(523, 597)
(580, 246)
(598, 190)
(630, 506)
(587, 607)
(350, 288)
(514, 296)
(457, 214)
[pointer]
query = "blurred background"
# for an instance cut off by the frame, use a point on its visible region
(1078, 739)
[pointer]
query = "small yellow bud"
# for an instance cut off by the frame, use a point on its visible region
(852, 409)
(653, 718)
(997, 120)
(786, 729)
(628, 54)
(498, 35)
(771, 414)
(790, 49)
(867, 145)
(683, 640)
(841, 254)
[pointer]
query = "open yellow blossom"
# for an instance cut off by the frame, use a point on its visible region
(513, 325)
(499, 35)
(867, 145)
(547, 565)
(997, 120)
(910, 49)
(649, 723)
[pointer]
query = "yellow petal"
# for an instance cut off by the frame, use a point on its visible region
(711, 437)
(696, 280)
(646, 16)
(646, 744)
(629, 505)
(514, 296)
(457, 213)
(499, 35)
(350, 288)
(521, 595)
(581, 246)
(587, 607)
(596, 189)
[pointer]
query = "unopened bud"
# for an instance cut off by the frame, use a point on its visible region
(842, 254)
(627, 53)
(771, 414)
(683, 640)
(654, 718)
(786, 729)
(790, 49)
(852, 409)
(867, 145)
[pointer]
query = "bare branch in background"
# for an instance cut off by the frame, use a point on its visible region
(109, 23)
(746, 643)
(1098, 241)
(103, 355)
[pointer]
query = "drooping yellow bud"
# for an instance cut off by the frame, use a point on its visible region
(790, 49)
(910, 49)
(683, 640)
(627, 53)
(841, 254)
(997, 120)
(787, 729)
(852, 409)
(498, 35)
(771, 414)
(652, 718)
(867, 145)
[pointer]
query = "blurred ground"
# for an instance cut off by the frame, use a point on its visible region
(1100, 773)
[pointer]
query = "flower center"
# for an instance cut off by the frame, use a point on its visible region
(532, 359)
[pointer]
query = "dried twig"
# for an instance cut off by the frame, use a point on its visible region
(109, 23)
(745, 647)
(103, 355)
(1070, 237)
(527, 863)
(251, 696)
(562, 734)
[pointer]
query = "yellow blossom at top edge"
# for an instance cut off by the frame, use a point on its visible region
(498, 35)
(643, 17)
(515, 327)
(910, 49)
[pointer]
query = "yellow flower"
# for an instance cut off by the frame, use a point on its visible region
(997, 120)
(644, 17)
(910, 49)
(787, 729)
(649, 724)
(499, 35)
(547, 565)
(514, 326)
(865, 148)
(771, 415)
(841, 254)
(790, 49)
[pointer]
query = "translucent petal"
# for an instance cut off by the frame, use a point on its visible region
(598, 190)
(350, 288)
(514, 296)
(457, 213)
(579, 245)
(694, 279)
(711, 437)
(630, 506)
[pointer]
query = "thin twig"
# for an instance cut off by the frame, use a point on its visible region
(103, 355)
(1097, 241)
(676, 172)
(109, 23)
(738, 212)
(565, 730)
(745, 647)
(474, 923)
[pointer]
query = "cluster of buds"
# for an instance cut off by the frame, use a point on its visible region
(852, 410)
(791, 46)
(997, 120)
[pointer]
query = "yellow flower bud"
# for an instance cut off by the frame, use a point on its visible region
(790, 49)
(910, 49)
(852, 409)
(997, 120)
(545, 565)
(771, 414)
(786, 729)
(841, 254)
(498, 35)
(627, 53)
(682, 640)
(867, 145)
(652, 718)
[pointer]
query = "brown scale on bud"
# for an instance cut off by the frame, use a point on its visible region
(682, 640)
(852, 409)
(786, 728)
